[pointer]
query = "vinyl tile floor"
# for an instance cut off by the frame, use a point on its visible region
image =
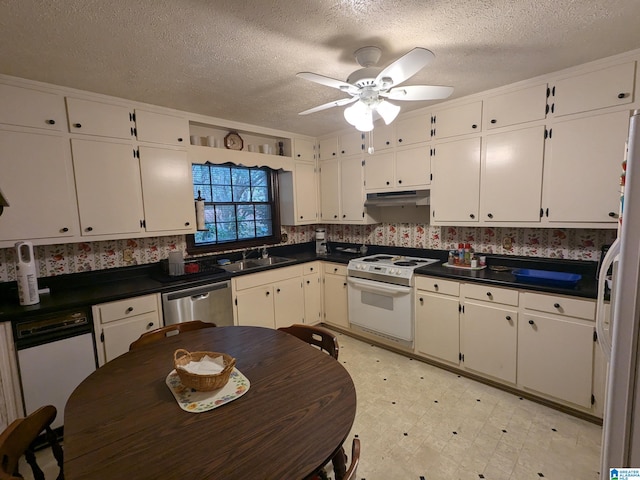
(416, 421)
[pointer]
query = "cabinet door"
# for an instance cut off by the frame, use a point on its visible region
(254, 307)
(167, 190)
(351, 189)
(603, 88)
(335, 300)
(413, 130)
(304, 150)
(328, 148)
(306, 197)
(525, 105)
(37, 180)
(582, 169)
(555, 357)
(413, 167)
(119, 335)
(378, 171)
(438, 327)
(351, 143)
(26, 107)
(489, 339)
(384, 137)
(312, 298)
(101, 119)
(108, 185)
(288, 302)
(330, 190)
(161, 128)
(457, 120)
(511, 186)
(455, 188)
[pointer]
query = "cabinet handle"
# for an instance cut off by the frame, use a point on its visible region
(179, 139)
(77, 125)
(474, 126)
(490, 215)
(64, 229)
(493, 120)
(471, 215)
(622, 95)
(613, 214)
(508, 317)
(51, 122)
(150, 324)
(129, 310)
(531, 322)
(88, 229)
(556, 305)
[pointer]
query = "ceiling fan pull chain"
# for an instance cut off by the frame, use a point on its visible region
(370, 149)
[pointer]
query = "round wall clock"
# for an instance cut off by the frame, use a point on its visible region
(233, 141)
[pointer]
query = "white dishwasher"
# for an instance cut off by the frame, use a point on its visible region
(55, 353)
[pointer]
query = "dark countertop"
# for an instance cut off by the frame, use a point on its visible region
(81, 290)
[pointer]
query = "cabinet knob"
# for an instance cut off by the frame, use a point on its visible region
(298, 155)
(150, 324)
(387, 183)
(435, 286)
(622, 95)
(399, 140)
(334, 154)
(277, 290)
(77, 125)
(490, 215)
(556, 305)
(64, 229)
(301, 217)
(129, 310)
(344, 284)
(344, 215)
(342, 152)
(421, 300)
(493, 120)
(474, 126)
(335, 216)
(508, 317)
(387, 142)
(335, 270)
(186, 224)
(399, 181)
(489, 294)
(311, 269)
(51, 122)
(308, 282)
(267, 293)
(89, 229)
(613, 214)
(471, 215)
(179, 139)
(531, 322)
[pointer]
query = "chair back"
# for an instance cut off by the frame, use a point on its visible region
(318, 336)
(162, 332)
(355, 459)
(18, 439)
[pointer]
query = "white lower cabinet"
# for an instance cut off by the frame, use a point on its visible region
(117, 324)
(438, 319)
(336, 309)
(273, 298)
(312, 287)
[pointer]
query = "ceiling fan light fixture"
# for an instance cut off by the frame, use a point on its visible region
(388, 111)
(360, 116)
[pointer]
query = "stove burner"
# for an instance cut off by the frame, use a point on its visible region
(383, 257)
(370, 259)
(405, 264)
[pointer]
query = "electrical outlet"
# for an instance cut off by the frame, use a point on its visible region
(127, 255)
(507, 243)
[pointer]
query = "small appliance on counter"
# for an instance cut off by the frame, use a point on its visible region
(26, 274)
(321, 242)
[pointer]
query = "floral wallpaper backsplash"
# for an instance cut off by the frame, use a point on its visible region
(574, 244)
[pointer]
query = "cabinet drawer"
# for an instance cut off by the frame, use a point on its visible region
(437, 285)
(571, 307)
(267, 277)
(491, 294)
(310, 268)
(335, 269)
(130, 307)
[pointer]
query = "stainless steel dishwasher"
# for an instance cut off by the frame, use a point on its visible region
(209, 303)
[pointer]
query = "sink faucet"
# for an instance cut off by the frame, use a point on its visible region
(264, 252)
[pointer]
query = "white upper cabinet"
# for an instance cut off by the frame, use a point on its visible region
(330, 190)
(298, 195)
(379, 171)
(582, 169)
(602, 88)
(384, 137)
(328, 148)
(304, 150)
(26, 107)
(520, 106)
(455, 189)
(454, 121)
(167, 190)
(89, 117)
(351, 143)
(413, 167)
(511, 187)
(411, 130)
(37, 179)
(351, 189)
(161, 128)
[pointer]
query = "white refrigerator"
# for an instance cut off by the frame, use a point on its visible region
(619, 338)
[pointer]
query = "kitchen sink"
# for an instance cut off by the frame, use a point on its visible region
(252, 263)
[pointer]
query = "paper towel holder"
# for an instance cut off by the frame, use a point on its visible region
(199, 205)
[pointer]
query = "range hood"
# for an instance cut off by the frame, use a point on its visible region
(396, 199)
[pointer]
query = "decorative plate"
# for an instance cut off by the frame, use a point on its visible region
(233, 141)
(194, 401)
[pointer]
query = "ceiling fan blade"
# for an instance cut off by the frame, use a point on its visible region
(329, 82)
(418, 92)
(406, 66)
(335, 103)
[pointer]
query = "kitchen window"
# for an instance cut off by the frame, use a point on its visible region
(240, 210)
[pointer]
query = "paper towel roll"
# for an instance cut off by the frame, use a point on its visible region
(26, 274)
(200, 215)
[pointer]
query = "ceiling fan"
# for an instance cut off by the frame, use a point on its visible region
(370, 87)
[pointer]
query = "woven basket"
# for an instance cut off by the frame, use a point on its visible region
(202, 383)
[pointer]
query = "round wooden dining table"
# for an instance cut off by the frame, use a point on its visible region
(123, 422)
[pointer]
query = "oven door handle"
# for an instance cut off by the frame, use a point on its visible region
(378, 287)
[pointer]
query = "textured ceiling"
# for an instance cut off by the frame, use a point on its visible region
(237, 59)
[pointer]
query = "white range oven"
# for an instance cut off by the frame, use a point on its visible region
(380, 295)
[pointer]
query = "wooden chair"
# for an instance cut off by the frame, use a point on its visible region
(355, 459)
(317, 336)
(162, 332)
(18, 440)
